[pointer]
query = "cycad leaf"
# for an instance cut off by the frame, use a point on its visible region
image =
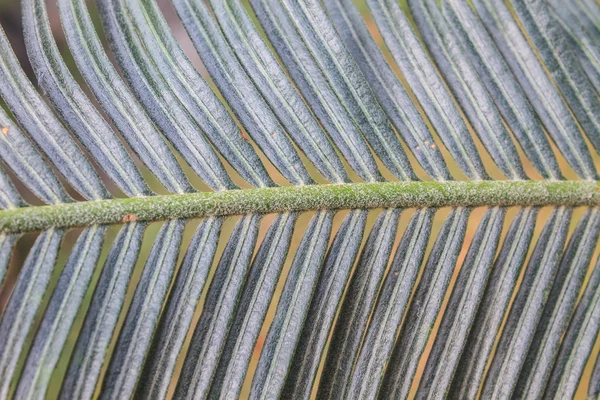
(559, 307)
(270, 79)
(591, 69)
(427, 85)
(45, 129)
(135, 337)
(239, 90)
(179, 310)
(284, 333)
(537, 85)
(349, 84)
(581, 33)
(527, 308)
(591, 9)
(340, 259)
(116, 99)
(300, 91)
(502, 85)
(424, 306)
(550, 43)
(72, 104)
(7, 243)
(92, 344)
(154, 92)
(303, 66)
(387, 88)
(195, 94)
(9, 197)
(451, 338)
(18, 318)
(501, 283)
(27, 163)
(577, 345)
(219, 310)
(357, 306)
(258, 292)
(466, 85)
(392, 302)
(594, 388)
(60, 314)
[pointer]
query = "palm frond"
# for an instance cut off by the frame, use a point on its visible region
(404, 229)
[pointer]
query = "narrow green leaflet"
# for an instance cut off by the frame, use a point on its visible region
(537, 85)
(555, 50)
(493, 306)
(527, 308)
(319, 92)
(327, 298)
(34, 115)
(219, 310)
(261, 101)
(284, 333)
(502, 86)
(578, 344)
(277, 89)
(466, 85)
(9, 197)
(349, 84)
(452, 336)
(18, 318)
(7, 243)
(153, 91)
(258, 292)
(74, 107)
(427, 85)
(27, 163)
(559, 307)
(590, 70)
(179, 310)
(390, 93)
(194, 93)
(391, 306)
(424, 307)
(101, 319)
(358, 304)
(582, 35)
(594, 388)
(591, 9)
(135, 337)
(60, 314)
(115, 97)
(240, 92)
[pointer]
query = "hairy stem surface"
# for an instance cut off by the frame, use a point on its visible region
(304, 198)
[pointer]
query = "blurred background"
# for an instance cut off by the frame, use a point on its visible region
(10, 20)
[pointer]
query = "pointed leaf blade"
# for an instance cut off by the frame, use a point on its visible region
(392, 302)
(340, 259)
(424, 306)
(91, 349)
(284, 332)
(135, 337)
(258, 293)
(60, 314)
(18, 318)
(179, 310)
(358, 304)
(219, 310)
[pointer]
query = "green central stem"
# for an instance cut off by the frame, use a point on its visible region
(304, 198)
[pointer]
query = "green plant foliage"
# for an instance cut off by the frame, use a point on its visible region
(344, 199)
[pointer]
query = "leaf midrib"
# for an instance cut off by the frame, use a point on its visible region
(404, 194)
